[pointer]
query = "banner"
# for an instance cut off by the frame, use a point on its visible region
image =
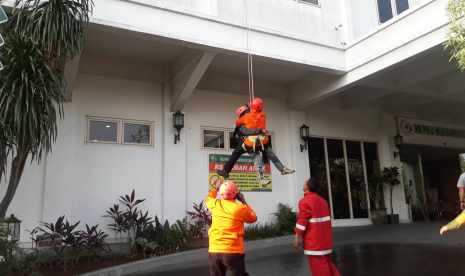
(243, 173)
(416, 131)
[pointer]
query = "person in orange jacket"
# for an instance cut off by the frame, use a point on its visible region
(226, 234)
(256, 119)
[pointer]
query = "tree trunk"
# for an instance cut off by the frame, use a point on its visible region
(17, 168)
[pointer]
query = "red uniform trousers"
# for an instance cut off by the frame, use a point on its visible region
(321, 265)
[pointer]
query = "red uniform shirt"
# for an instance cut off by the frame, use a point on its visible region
(314, 225)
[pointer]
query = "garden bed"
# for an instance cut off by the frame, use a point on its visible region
(83, 267)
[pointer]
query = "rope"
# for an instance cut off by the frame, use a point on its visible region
(249, 58)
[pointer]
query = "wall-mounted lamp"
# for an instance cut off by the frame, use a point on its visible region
(178, 123)
(304, 135)
(399, 142)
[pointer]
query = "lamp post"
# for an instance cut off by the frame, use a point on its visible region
(178, 123)
(399, 142)
(304, 135)
(14, 225)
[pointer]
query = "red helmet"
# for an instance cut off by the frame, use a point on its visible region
(257, 104)
(240, 110)
(228, 190)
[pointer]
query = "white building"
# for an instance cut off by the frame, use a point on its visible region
(349, 69)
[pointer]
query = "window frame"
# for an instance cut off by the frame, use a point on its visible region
(393, 10)
(325, 138)
(226, 140)
(120, 132)
(102, 119)
(137, 122)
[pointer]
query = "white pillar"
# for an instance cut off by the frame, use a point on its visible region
(387, 147)
(299, 160)
(174, 163)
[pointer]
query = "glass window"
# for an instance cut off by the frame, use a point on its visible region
(371, 163)
(384, 10)
(337, 173)
(462, 161)
(356, 179)
(101, 131)
(401, 5)
(213, 139)
(136, 134)
(313, 2)
(316, 153)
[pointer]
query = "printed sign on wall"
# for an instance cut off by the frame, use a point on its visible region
(243, 173)
(424, 132)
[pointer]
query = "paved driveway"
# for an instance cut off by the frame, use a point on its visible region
(406, 249)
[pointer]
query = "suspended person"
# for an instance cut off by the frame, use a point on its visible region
(226, 235)
(247, 131)
(314, 228)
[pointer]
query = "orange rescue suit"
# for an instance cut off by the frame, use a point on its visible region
(227, 231)
(253, 120)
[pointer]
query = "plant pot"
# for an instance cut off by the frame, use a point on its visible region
(393, 219)
(378, 216)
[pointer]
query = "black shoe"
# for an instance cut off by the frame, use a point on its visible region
(222, 173)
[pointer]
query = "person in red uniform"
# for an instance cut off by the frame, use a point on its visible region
(314, 228)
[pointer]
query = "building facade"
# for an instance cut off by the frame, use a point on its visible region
(349, 69)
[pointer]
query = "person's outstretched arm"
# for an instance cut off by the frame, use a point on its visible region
(211, 200)
(455, 224)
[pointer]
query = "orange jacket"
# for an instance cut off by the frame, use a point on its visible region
(227, 231)
(254, 119)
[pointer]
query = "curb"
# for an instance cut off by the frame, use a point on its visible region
(191, 255)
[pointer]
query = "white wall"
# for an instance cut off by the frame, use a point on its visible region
(333, 122)
(364, 16)
(103, 173)
(28, 202)
(288, 16)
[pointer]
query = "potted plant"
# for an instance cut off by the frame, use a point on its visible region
(392, 173)
(376, 185)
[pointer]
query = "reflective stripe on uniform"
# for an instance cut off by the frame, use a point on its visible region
(300, 227)
(319, 253)
(320, 219)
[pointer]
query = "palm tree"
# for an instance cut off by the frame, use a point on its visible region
(40, 36)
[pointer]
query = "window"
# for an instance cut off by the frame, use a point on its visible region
(384, 10)
(341, 167)
(119, 132)
(137, 133)
(213, 138)
(401, 6)
(103, 131)
(312, 2)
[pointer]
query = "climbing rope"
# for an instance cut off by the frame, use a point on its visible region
(249, 57)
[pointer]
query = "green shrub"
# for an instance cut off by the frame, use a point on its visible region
(286, 220)
(258, 231)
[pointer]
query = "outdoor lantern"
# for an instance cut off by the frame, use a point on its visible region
(399, 142)
(304, 135)
(178, 123)
(14, 225)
